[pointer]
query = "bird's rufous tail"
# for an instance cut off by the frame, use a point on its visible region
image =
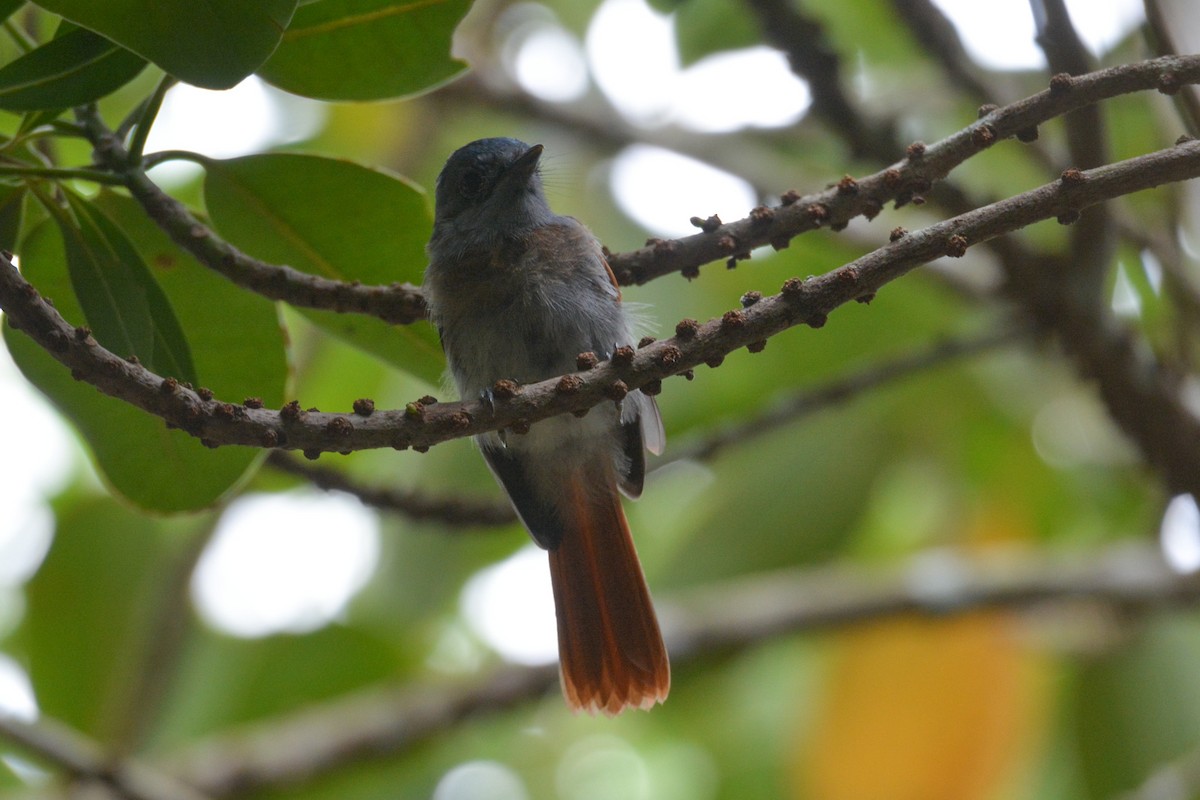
(611, 653)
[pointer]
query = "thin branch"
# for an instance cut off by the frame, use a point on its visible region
(388, 723)
(805, 403)
(802, 39)
(1181, 286)
(452, 511)
(84, 759)
(934, 31)
(1087, 137)
(1169, 25)
(913, 176)
(595, 121)
(775, 226)
(144, 120)
(61, 173)
(1142, 396)
(398, 303)
(1132, 578)
(456, 511)
(152, 160)
(370, 724)
(1093, 243)
(423, 424)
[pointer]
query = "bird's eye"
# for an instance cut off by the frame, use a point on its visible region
(471, 184)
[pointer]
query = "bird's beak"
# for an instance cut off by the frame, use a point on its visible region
(524, 167)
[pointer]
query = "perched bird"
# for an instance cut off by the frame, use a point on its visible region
(518, 292)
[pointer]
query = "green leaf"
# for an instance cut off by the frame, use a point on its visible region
(7, 7)
(75, 68)
(1138, 707)
(235, 338)
(123, 304)
(89, 606)
(367, 49)
(704, 27)
(335, 219)
(214, 43)
(153, 467)
(226, 681)
(35, 119)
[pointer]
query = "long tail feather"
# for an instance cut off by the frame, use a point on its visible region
(611, 653)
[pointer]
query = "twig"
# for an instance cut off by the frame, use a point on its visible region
(1067, 55)
(939, 583)
(370, 724)
(937, 34)
(383, 722)
(1167, 38)
(460, 511)
(398, 303)
(754, 158)
(84, 759)
(455, 511)
(803, 41)
(910, 177)
(61, 173)
(1093, 242)
(914, 175)
(805, 403)
(145, 117)
(423, 424)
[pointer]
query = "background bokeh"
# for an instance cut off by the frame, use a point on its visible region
(189, 639)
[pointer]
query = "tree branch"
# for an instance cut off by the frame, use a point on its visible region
(370, 724)
(776, 226)
(905, 179)
(84, 759)
(384, 722)
(422, 424)
(451, 511)
(463, 511)
(934, 31)
(805, 403)
(802, 40)
(1093, 242)
(399, 303)
(1169, 27)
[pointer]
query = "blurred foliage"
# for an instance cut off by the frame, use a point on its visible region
(1004, 450)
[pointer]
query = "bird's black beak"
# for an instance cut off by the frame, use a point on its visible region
(524, 168)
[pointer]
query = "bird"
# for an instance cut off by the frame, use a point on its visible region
(518, 293)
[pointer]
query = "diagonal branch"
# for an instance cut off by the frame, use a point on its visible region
(913, 176)
(391, 722)
(934, 31)
(450, 511)
(1093, 240)
(423, 423)
(802, 40)
(774, 226)
(399, 303)
(84, 759)
(456, 512)
(805, 403)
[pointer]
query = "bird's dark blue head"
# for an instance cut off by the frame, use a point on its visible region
(493, 184)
